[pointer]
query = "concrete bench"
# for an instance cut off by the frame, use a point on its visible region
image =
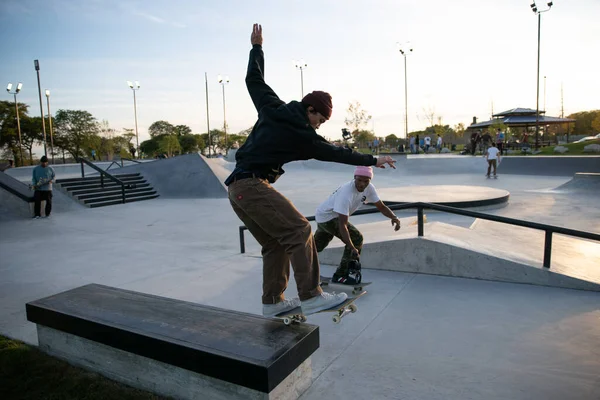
(175, 348)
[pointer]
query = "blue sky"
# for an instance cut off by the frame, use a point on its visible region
(467, 54)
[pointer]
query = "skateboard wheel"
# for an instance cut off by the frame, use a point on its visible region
(352, 308)
(287, 321)
(337, 319)
(355, 291)
(303, 318)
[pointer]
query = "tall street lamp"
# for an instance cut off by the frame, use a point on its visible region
(223, 82)
(537, 106)
(50, 124)
(37, 70)
(135, 86)
(17, 90)
(404, 50)
(301, 65)
(207, 115)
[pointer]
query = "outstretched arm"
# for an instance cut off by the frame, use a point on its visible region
(262, 95)
(388, 213)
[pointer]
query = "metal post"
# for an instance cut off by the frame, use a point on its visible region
(137, 139)
(420, 220)
(37, 69)
(50, 124)
(207, 118)
(82, 173)
(547, 249)
(242, 244)
(224, 119)
(301, 82)
(405, 100)
(537, 106)
(19, 130)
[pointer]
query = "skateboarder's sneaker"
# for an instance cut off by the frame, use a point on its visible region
(270, 310)
(345, 280)
(322, 302)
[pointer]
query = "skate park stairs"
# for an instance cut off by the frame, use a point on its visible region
(100, 191)
(175, 348)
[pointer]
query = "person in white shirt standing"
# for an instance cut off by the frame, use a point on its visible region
(493, 159)
(332, 220)
(439, 144)
(427, 144)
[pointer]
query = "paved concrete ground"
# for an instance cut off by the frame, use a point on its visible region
(414, 336)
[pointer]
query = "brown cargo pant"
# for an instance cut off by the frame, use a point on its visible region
(491, 163)
(284, 235)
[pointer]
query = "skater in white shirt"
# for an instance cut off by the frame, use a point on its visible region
(493, 159)
(332, 220)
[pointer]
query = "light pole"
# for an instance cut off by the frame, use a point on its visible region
(407, 48)
(207, 114)
(17, 90)
(301, 65)
(135, 86)
(537, 106)
(37, 70)
(223, 82)
(50, 124)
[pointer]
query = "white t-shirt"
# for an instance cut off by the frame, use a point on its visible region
(345, 200)
(492, 153)
(439, 142)
(427, 140)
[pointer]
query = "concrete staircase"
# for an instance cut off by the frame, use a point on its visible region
(89, 192)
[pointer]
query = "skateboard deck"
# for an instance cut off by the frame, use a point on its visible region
(340, 311)
(325, 281)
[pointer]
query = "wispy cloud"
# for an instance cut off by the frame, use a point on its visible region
(158, 20)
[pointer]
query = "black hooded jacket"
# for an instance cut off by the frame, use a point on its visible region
(282, 132)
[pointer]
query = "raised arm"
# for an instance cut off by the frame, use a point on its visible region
(262, 95)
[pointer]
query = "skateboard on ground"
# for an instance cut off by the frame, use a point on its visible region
(356, 288)
(340, 311)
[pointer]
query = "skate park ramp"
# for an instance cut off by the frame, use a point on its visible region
(466, 164)
(486, 250)
(582, 183)
(16, 199)
(185, 176)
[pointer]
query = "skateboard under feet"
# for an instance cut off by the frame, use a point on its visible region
(340, 311)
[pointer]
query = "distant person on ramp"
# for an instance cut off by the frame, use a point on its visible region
(332, 220)
(493, 158)
(284, 132)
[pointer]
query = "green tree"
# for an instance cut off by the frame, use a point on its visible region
(391, 141)
(189, 143)
(169, 144)
(182, 130)
(31, 134)
(357, 117)
(9, 134)
(161, 128)
(75, 130)
(150, 147)
(583, 122)
(362, 137)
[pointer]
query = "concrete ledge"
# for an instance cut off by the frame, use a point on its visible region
(158, 377)
(245, 351)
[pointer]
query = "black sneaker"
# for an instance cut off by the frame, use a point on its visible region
(344, 280)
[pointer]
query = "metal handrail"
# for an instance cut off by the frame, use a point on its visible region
(129, 159)
(113, 163)
(548, 229)
(103, 173)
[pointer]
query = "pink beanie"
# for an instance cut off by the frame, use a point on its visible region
(364, 171)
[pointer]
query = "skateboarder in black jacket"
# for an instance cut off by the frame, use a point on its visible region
(284, 132)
